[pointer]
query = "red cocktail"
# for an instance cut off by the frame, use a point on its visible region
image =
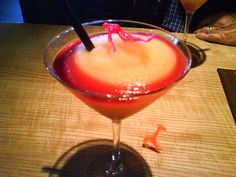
(118, 83)
(192, 5)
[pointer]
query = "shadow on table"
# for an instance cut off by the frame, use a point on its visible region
(198, 55)
(95, 154)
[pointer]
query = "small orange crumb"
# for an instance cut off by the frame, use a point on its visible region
(150, 141)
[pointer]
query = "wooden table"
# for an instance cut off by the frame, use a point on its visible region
(40, 120)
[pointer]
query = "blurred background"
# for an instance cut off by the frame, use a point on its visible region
(149, 11)
(52, 11)
(10, 11)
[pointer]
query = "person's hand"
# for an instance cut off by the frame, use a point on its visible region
(222, 30)
(219, 34)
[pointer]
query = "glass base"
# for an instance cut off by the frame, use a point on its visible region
(92, 158)
(198, 54)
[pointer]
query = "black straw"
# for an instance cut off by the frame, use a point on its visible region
(75, 23)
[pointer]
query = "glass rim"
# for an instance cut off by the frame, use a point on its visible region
(109, 95)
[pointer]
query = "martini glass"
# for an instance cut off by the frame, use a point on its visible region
(113, 106)
(190, 7)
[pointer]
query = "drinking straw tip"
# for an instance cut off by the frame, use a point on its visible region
(76, 24)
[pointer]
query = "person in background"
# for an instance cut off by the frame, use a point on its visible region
(213, 22)
(174, 17)
(221, 30)
(168, 14)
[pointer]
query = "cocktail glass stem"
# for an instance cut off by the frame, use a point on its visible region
(187, 25)
(115, 167)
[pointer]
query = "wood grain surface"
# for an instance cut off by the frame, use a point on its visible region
(40, 120)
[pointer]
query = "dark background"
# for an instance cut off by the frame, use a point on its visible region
(150, 11)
